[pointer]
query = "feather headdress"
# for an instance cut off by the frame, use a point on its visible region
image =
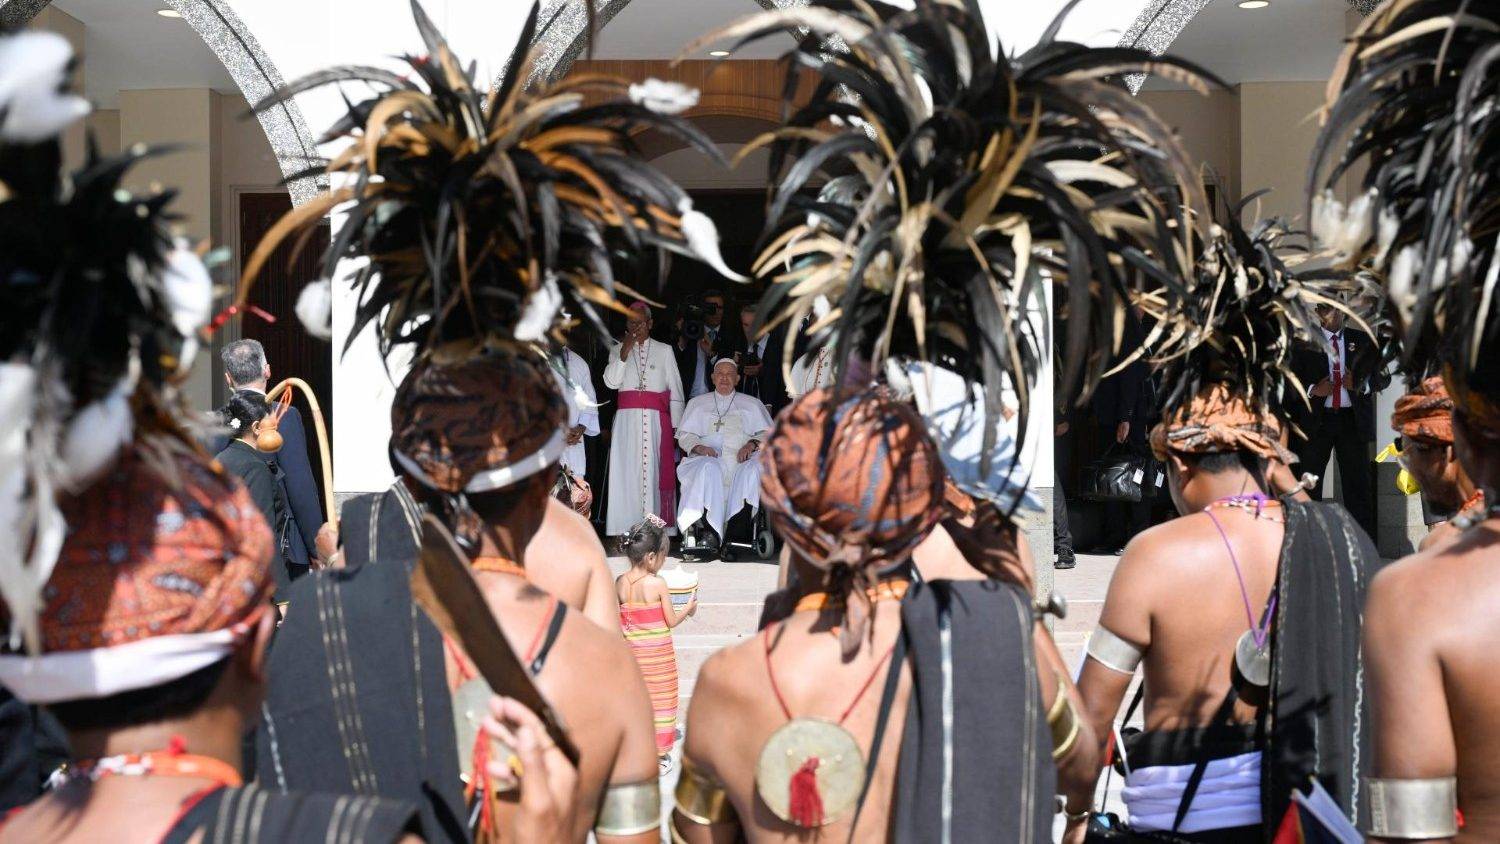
(1414, 101)
(100, 314)
(1251, 301)
(484, 213)
(927, 190)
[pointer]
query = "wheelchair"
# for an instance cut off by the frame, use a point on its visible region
(747, 536)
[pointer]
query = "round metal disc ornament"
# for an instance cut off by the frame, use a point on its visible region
(471, 702)
(840, 768)
(1253, 661)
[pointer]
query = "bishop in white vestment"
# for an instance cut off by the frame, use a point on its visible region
(642, 451)
(720, 435)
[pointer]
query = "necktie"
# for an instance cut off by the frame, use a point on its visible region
(1338, 370)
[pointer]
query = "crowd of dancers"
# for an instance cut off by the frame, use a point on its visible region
(463, 675)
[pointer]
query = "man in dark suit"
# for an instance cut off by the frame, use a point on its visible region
(246, 368)
(1122, 408)
(1341, 390)
(695, 360)
(760, 362)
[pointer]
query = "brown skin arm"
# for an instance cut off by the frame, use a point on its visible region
(636, 759)
(600, 605)
(1413, 732)
(656, 590)
(708, 716)
(1077, 770)
(1127, 614)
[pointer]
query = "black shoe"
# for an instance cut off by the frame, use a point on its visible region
(1065, 563)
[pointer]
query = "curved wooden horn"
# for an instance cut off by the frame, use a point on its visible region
(322, 430)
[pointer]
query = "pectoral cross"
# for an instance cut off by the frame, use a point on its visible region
(718, 426)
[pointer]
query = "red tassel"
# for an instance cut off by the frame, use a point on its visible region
(805, 801)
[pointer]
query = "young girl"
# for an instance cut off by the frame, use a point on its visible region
(647, 618)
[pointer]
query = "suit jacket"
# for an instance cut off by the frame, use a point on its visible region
(770, 385)
(687, 362)
(1366, 377)
(301, 490)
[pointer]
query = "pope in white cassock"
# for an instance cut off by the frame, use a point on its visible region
(642, 452)
(721, 434)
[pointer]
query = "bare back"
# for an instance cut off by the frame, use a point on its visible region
(81, 812)
(639, 587)
(1432, 625)
(1175, 594)
(734, 712)
(592, 681)
(566, 559)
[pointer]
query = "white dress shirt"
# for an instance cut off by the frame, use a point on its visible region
(1336, 341)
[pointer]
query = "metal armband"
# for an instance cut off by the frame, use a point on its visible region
(700, 799)
(1062, 718)
(1112, 652)
(629, 809)
(1413, 808)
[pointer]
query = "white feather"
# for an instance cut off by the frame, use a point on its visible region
(189, 289)
(663, 96)
(96, 434)
(17, 410)
(821, 306)
(1403, 271)
(540, 312)
(1387, 229)
(703, 239)
(34, 69)
(315, 309)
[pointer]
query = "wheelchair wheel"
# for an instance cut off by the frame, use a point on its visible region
(765, 542)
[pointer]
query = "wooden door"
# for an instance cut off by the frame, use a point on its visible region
(289, 349)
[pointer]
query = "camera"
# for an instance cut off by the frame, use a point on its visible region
(693, 327)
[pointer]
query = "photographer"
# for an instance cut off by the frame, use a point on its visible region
(700, 339)
(760, 361)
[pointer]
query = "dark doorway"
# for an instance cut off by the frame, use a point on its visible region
(289, 349)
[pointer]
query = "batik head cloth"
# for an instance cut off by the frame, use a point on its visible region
(480, 423)
(1426, 412)
(153, 582)
(853, 485)
(1218, 419)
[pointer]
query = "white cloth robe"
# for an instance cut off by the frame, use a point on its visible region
(718, 487)
(812, 371)
(583, 409)
(634, 451)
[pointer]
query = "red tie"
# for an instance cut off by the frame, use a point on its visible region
(1338, 373)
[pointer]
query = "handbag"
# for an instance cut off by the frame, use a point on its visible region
(573, 491)
(1117, 475)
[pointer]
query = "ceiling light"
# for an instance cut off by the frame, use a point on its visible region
(1254, 4)
(169, 13)
(718, 54)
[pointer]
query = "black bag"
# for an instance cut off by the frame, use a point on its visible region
(1118, 475)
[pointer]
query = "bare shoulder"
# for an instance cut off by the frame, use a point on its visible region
(1171, 544)
(718, 694)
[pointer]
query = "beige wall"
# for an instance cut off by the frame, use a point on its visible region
(1278, 127)
(105, 124)
(185, 118)
(1209, 128)
(69, 27)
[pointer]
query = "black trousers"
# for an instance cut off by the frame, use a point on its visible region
(1062, 462)
(1338, 435)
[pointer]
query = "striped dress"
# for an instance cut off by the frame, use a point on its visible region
(645, 628)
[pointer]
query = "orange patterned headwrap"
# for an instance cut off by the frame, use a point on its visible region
(853, 485)
(1218, 420)
(479, 424)
(1479, 410)
(154, 581)
(1426, 412)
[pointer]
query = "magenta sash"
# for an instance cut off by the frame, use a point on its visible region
(666, 475)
